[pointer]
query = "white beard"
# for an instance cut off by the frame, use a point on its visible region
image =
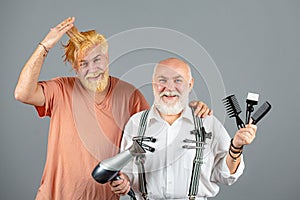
(174, 109)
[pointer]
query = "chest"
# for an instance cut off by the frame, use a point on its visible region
(169, 149)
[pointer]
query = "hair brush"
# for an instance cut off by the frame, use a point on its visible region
(261, 112)
(252, 100)
(233, 109)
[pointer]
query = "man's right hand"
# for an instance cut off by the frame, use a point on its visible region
(121, 186)
(28, 90)
(57, 32)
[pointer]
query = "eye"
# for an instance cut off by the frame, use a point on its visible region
(162, 80)
(97, 60)
(83, 64)
(178, 80)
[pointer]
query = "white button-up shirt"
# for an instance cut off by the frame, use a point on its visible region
(168, 169)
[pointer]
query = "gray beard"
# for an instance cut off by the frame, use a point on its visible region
(173, 109)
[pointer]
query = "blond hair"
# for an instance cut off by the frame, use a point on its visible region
(80, 42)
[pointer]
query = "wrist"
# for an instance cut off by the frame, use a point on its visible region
(235, 151)
(46, 50)
(234, 145)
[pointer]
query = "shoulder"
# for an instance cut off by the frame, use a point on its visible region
(212, 124)
(136, 117)
(211, 120)
(118, 84)
(58, 84)
(125, 90)
(59, 81)
(65, 80)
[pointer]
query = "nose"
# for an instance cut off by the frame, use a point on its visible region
(170, 86)
(97, 66)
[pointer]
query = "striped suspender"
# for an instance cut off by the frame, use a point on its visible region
(200, 135)
(140, 160)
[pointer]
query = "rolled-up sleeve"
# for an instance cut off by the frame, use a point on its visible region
(221, 173)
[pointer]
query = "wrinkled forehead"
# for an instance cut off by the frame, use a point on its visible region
(92, 52)
(172, 70)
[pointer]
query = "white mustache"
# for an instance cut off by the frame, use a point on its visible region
(93, 74)
(169, 94)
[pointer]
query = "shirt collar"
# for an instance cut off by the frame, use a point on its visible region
(154, 115)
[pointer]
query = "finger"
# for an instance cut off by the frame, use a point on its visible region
(200, 109)
(68, 23)
(250, 121)
(207, 111)
(251, 129)
(247, 137)
(240, 139)
(252, 126)
(116, 188)
(116, 183)
(122, 189)
(193, 104)
(125, 189)
(66, 27)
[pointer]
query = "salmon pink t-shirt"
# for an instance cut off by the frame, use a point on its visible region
(81, 134)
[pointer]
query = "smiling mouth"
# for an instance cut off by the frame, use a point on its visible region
(170, 96)
(94, 76)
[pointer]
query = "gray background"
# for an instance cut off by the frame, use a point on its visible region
(255, 45)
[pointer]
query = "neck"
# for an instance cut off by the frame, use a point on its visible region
(169, 118)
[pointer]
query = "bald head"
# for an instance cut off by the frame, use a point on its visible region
(175, 65)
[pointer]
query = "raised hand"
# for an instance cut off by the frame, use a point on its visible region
(57, 32)
(245, 136)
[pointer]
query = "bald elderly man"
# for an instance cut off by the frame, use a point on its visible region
(168, 170)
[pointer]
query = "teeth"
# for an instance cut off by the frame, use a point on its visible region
(169, 94)
(92, 75)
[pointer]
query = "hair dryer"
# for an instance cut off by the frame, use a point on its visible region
(108, 169)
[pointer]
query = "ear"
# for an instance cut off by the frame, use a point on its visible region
(191, 84)
(153, 84)
(75, 68)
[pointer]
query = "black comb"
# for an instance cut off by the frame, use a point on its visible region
(261, 112)
(233, 109)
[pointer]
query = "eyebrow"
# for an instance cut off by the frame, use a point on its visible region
(91, 59)
(179, 76)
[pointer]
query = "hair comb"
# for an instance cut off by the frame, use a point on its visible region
(261, 112)
(233, 109)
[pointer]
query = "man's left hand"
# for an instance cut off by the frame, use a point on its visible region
(201, 109)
